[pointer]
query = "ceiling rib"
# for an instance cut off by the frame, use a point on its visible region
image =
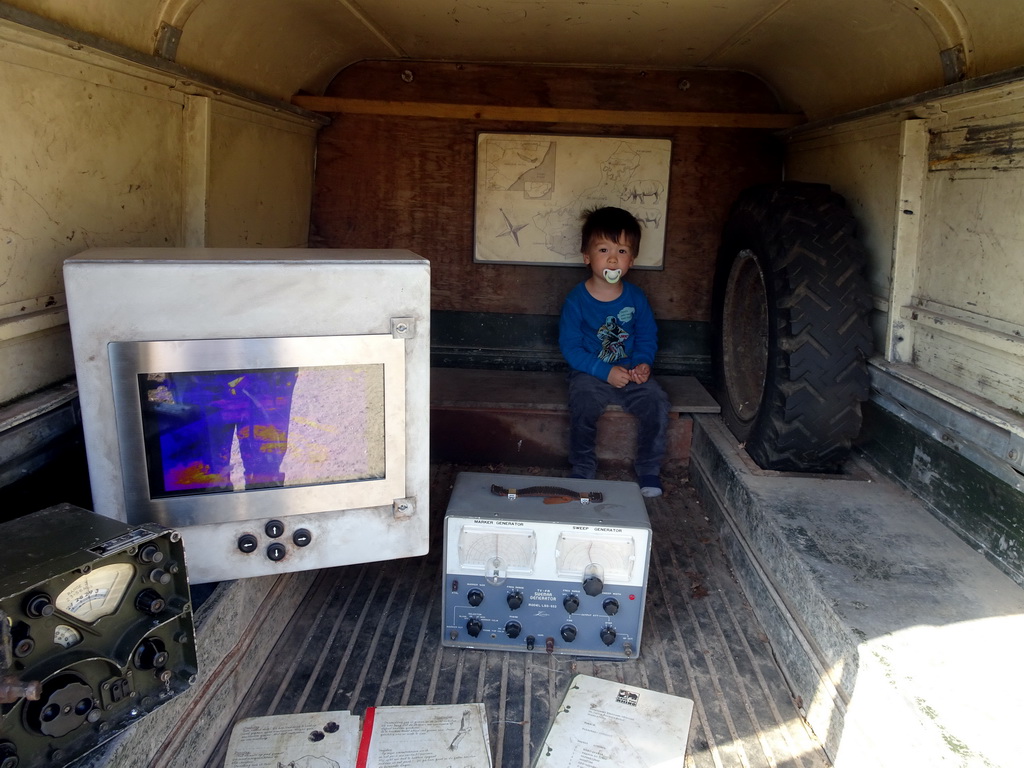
(374, 28)
(175, 13)
(742, 33)
(949, 27)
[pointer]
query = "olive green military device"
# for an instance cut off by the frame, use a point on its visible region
(97, 631)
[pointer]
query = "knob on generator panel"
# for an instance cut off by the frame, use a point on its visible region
(545, 565)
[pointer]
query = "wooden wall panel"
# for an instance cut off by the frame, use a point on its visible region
(385, 182)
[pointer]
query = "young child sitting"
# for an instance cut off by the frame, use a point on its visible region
(608, 336)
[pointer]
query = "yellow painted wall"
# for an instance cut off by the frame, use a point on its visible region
(97, 151)
(942, 221)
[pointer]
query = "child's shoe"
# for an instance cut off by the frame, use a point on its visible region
(650, 486)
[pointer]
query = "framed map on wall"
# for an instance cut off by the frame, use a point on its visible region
(531, 190)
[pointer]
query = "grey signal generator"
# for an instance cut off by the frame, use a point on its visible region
(545, 564)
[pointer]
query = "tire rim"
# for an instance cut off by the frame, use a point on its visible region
(745, 335)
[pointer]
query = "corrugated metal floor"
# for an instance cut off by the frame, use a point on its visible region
(370, 635)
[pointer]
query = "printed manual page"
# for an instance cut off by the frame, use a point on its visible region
(606, 724)
(444, 736)
(309, 740)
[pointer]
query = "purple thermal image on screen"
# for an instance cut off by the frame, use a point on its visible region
(223, 431)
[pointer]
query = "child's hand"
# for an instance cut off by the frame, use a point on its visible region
(619, 377)
(640, 374)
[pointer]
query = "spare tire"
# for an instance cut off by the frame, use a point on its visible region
(791, 308)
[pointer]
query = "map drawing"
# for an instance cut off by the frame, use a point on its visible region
(532, 189)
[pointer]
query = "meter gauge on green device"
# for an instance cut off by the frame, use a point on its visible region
(96, 594)
(66, 636)
(497, 553)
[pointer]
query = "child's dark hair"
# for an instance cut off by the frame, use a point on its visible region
(611, 223)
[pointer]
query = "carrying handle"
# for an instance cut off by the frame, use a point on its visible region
(551, 494)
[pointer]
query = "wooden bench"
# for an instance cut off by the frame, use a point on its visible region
(520, 418)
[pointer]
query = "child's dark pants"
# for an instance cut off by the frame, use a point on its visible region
(588, 397)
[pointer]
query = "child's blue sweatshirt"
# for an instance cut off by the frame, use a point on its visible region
(596, 335)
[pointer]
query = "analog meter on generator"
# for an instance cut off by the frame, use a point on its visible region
(545, 564)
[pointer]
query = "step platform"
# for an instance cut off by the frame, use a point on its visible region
(900, 642)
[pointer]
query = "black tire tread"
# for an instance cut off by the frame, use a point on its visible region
(820, 337)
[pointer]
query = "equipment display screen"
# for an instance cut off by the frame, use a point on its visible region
(220, 431)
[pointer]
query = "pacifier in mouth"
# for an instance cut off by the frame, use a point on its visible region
(612, 275)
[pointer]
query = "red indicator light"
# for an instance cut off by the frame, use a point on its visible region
(632, 597)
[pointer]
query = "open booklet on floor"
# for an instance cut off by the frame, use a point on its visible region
(606, 724)
(308, 740)
(443, 735)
